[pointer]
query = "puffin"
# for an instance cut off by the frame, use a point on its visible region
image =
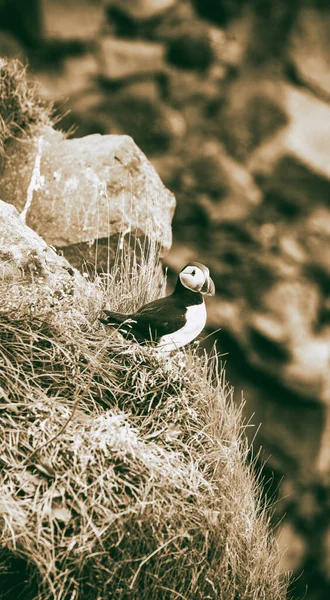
(173, 321)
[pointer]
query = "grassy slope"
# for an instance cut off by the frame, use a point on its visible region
(124, 475)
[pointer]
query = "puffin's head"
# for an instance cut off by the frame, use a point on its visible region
(196, 277)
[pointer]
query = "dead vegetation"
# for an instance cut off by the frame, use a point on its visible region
(21, 110)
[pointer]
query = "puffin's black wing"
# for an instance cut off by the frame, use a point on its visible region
(109, 317)
(158, 318)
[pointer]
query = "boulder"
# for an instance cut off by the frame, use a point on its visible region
(75, 192)
(32, 275)
(120, 59)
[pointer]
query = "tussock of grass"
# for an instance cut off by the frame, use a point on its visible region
(21, 110)
(125, 475)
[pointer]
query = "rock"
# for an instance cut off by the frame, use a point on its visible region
(268, 45)
(323, 459)
(32, 275)
(120, 59)
(283, 342)
(193, 87)
(137, 110)
(316, 239)
(294, 166)
(308, 372)
(253, 112)
(142, 9)
(168, 167)
(289, 431)
(232, 50)
(190, 47)
(309, 50)
(229, 191)
(76, 75)
(76, 191)
(220, 11)
(84, 113)
(296, 304)
(66, 20)
(267, 330)
(292, 249)
(181, 15)
(228, 56)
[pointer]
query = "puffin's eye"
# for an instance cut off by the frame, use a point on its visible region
(193, 273)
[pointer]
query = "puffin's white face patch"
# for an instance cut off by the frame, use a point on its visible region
(192, 278)
(196, 319)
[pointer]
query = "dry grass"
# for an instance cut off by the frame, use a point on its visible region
(21, 110)
(124, 475)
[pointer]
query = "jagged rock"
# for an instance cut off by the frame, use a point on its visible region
(309, 50)
(294, 165)
(142, 9)
(76, 191)
(67, 20)
(31, 273)
(120, 59)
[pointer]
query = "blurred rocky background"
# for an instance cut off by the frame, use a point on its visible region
(230, 100)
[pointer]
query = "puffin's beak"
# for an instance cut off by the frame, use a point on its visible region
(208, 287)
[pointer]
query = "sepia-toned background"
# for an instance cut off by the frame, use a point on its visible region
(230, 101)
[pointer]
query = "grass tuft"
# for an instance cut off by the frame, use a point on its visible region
(21, 109)
(124, 475)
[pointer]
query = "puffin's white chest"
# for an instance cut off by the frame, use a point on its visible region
(196, 319)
